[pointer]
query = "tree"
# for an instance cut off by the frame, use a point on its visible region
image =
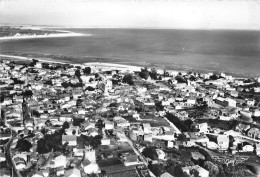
(48, 123)
(33, 62)
(150, 152)
(27, 93)
(180, 79)
(65, 84)
(95, 141)
(213, 77)
(182, 137)
(100, 124)
(23, 145)
(165, 73)
(153, 74)
(42, 147)
(25, 110)
(65, 125)
(157, 169)
(212, 168)
(144, 73)
(49, 82)
(128, 79)
(77, 122)
(87, 70)
(35, 113)
(89, 88)
(73, 132)
(178, 172)
(77, 73)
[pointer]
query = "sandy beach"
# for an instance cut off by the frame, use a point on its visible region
(93, 64)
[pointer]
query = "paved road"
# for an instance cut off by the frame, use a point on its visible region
(173, 126)
(140, 155)
(8, 156)
(137, 152)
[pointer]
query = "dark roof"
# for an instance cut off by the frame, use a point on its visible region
(114, 165)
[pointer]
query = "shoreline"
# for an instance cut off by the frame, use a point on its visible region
(30, 58)
(99, 64)
(54, 35)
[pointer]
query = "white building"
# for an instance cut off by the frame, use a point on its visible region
(202, 172)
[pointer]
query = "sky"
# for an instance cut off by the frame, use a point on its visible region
(176, 14)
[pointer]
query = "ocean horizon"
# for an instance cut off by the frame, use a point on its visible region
(230, 51)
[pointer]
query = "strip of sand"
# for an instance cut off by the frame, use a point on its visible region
(55, 35)
(30, 58)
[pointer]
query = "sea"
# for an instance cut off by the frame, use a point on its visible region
(230, 51)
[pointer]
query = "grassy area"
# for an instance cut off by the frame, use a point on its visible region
(11, 31)
(225, 125)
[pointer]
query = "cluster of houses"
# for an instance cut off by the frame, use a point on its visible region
(99, 104)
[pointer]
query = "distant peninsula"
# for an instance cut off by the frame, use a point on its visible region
(8, 33)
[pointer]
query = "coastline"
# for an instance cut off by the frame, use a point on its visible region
(55, 35)
(114, 64)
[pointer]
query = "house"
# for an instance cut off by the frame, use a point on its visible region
(89, 167)
(191, 101)
(250, 102)
(36, 174)
(86, 125)
(90, 154)
(254, 133)
(161, 154)
(226, 102)
(71, 139)
(46, 172)
(2, 157)
(242, 127)
(136, 116)
(202, 127)
(93, 132)
(257, 149)
(146, 128)
(72, 130)
(256, 113)
(233, 93)
(166, 174)
(78, 152)
(60, 171)
(148, 137)
(131, 160)
(212, 145)
(19, 163)
(29, 122)
(170, 144)
(105, 141)
(190, 169)
(197, 156)
(223, 142)
(73, 173)
(122, 137)
(60, 161)
(109, 125)
(121, 122)
(248, 148)
(5, 136)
